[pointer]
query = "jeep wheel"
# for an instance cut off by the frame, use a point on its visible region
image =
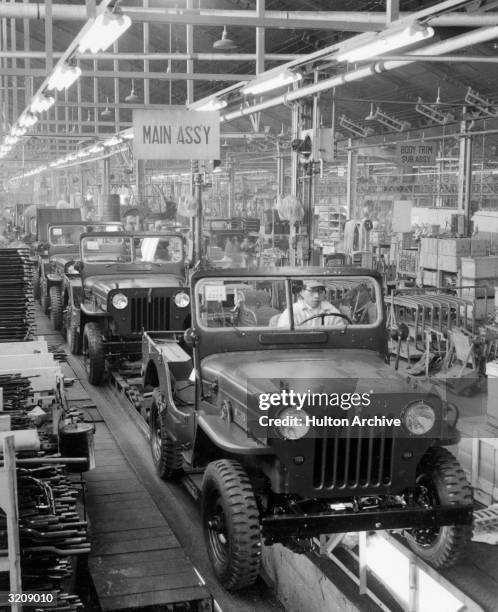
(36, 283)
(56, 308)
(93, 353)
(444, 481)
(72, 335)
(44, 297)
(230, 518)
(166, 452)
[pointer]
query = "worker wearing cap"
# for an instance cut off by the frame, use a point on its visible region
(311, 302)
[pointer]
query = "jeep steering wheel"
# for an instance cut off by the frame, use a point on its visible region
(327, 314)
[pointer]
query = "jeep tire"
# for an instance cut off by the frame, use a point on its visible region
(44, 297)
(231, 524)
(166, 453)
(72, 335)
(56, 308)
(447, 484)
(93, 353)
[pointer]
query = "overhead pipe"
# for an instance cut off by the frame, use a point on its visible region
(275, 57)
(350, 21)
(447, 46)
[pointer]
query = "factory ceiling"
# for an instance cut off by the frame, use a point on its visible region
(174, 54)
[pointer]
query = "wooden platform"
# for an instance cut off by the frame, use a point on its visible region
(136, 560)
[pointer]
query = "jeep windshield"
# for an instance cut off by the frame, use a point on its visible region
(65, 235)
(107, 249)
(151, 249)
(288, 303)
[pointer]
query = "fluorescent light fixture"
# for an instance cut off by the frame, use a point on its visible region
(111, 142)
(41, 103)
(384, 42)
(27, 119)
(97, 148)
(63, 77)
(260, 85)
(213, 104)
(18, 130)
(105, 30)
(433, 113)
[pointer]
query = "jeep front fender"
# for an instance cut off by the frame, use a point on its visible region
(91, 312)
(229, 437)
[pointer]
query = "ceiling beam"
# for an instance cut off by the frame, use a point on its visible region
(130, 74)
(347, 21)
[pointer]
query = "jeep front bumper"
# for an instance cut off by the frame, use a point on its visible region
(279, 528)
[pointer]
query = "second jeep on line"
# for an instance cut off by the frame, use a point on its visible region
(281, 390)
(130, 282)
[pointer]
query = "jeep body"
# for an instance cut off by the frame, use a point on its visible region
(311, 479)
(37, 222)
(130, 282)
(57, 274)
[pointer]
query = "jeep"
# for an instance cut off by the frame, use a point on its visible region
(58, 275)
(36, 223)
(130, 282)
(281, 392)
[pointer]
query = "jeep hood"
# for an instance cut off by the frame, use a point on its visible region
(270, 371)
(103, 284)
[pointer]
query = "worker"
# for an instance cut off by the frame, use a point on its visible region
(311, 302)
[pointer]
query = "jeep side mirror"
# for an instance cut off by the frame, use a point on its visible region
(190, 337)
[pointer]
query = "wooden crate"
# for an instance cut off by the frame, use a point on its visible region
(448, 263)
(431, 278)
(480, 267)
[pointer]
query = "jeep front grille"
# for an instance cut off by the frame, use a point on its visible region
(353, 462)
(150, 314)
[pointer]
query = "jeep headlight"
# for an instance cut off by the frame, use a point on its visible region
(419, 417)
(182, 299)
(119, 301)
(293, 424)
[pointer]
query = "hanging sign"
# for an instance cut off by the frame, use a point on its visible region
(176, 134)
(416, 153)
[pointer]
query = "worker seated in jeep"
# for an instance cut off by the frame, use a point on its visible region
(159, 249)
(311, 308)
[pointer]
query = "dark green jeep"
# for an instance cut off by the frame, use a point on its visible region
(282, 392)
(130, 282)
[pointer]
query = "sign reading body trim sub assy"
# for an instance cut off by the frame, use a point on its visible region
(176, 134)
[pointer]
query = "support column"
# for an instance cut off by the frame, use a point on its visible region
(260, 38)
(140, 174)
(465, 172)
(106, 187)
(351, 181)
(197, 219)
(231, 188)
(190, 50)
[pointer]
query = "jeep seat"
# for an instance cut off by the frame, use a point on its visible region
(255, 309)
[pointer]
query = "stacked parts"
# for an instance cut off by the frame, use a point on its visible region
(17, 318)
(51, 534)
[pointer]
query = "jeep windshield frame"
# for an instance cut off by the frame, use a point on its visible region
(151, 251)
(224, 317)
